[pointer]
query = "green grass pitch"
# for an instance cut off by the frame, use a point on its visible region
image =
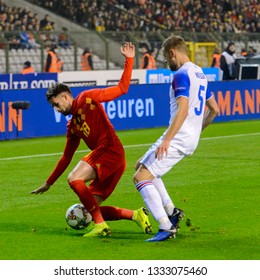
(217, 187)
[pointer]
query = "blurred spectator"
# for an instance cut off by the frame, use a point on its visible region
(52, 25)
(216, 58)
(51, 64)
(27, 69)
(251, 51)
(27, 39)
(24, 38)
(148, 60)
(227, 62)
(45, 22)
(49, 38)
(49, 26)
(60, 62)
(86, 60)
(3, 17)
(32, 41)
(81, 15)
(243, 52)
(13, 40)
(64, 39)
(2, 6)
(100, 25)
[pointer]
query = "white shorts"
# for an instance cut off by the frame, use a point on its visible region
(160, 167)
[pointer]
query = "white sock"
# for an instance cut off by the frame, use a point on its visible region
(166, 200)
(154, 203)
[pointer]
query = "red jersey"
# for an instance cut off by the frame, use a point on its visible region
(90, 122)
(89, 119)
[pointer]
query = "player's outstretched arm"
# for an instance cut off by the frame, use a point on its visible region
(128, 49)
(43, 188)
(110, 93)
(70, 148)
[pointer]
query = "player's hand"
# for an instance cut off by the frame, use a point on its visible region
(162, 150)
(128, 49)
(43, 188)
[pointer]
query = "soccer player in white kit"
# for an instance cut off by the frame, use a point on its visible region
(189, 94)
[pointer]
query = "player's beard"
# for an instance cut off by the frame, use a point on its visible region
(173, 67)
(67, 111)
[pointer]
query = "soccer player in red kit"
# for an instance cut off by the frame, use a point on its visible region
(105, 164)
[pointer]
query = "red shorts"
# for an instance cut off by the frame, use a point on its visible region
(109, 163)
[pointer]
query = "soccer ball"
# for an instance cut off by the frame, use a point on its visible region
(78, 217)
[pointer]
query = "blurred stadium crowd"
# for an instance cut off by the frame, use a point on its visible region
(188, 15)
(22, 28)
(126, 15)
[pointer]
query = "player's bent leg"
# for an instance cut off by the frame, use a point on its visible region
(99, 230)
(140, 216)
(112, 213)
(88, 200)
(82, 171)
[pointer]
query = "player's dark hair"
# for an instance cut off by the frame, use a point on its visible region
(175, 42)
(55, 89)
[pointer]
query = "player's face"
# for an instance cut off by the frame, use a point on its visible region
(61, 104)
(171, 60)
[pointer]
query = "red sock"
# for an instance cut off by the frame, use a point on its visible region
(111, 213)
(87, 199)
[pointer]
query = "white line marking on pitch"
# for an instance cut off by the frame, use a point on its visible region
(127, 146)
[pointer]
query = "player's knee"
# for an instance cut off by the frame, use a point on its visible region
(136, 178)
(142, 174)
(71, 178)
(137, 164)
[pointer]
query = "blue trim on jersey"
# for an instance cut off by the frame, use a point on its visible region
(181, 83)
(208, 94)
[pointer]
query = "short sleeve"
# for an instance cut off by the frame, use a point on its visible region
(208, 93)
(181, 84)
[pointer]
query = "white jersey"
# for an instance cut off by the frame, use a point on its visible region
(189, 81)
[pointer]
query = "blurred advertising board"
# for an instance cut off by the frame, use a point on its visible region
(144, 106)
